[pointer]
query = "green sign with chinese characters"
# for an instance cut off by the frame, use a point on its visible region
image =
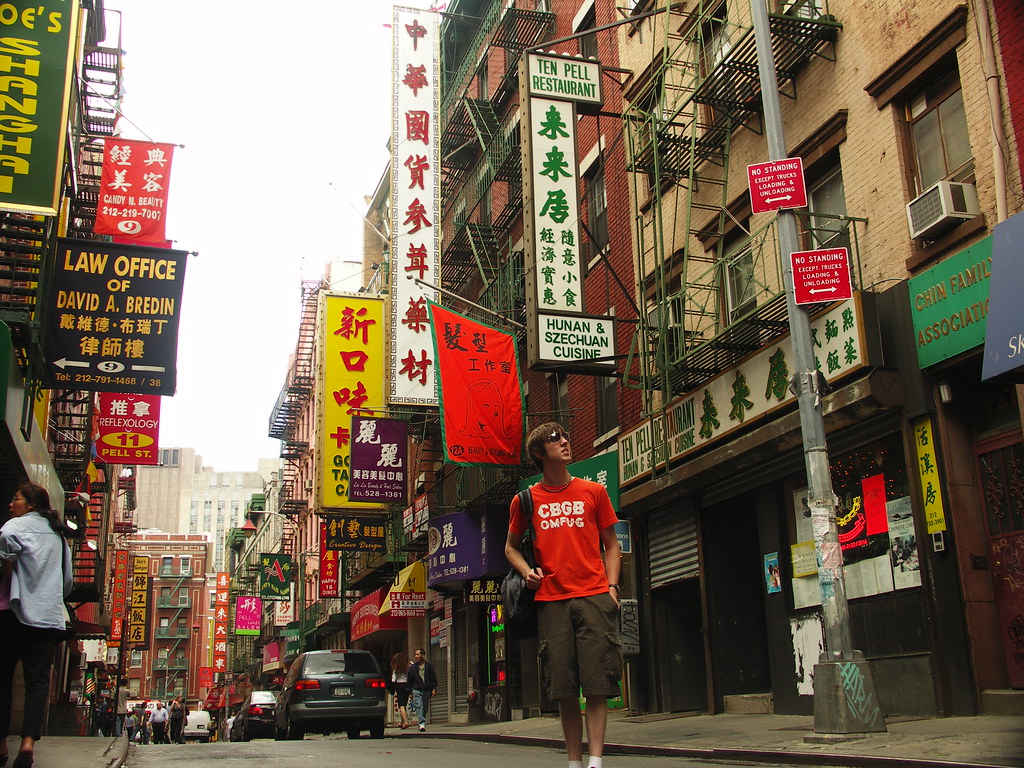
(603, 469)
(36, 57)
(949, 304)
(275, 576)
(745, 394)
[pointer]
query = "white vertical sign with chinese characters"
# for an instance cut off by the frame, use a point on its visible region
(554, 175)
(415, 203)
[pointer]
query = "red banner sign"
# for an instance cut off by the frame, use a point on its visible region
(205, 677)
(481, 395)
(128, 429)
(119, 598)
(220, 623)
(328, 566)
(133, 190)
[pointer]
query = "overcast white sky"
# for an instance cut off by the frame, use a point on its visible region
(274, 103)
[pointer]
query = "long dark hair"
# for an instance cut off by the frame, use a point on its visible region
(38, 500)
(400, 662)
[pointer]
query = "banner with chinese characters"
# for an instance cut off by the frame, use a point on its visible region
(928, 472)
(353, 382)
(379, 460)
(355, 533)
(329, 582)
(37, 54)
(248, 613)
(206, 677)
(128, 429)
(416, 517)
(415, 202)
(119, 598)
(112, 316)
(482, 415)
(275, 576)
(554, 273)
(220, 623)
(842, 337)
(133, 190)
(139, 606)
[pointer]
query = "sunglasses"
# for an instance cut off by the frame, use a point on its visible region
(556, 437)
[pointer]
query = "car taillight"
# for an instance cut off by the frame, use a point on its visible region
(305, 685)
(255, 709)
(375, 682)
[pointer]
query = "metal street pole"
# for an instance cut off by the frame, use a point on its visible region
(845, 699)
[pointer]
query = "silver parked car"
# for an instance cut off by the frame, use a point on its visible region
(331, 691)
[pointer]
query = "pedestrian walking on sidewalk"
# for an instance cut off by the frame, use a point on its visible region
(158, 719)
(423, 683)
(34, 580)
(178, 714)
(122, 707)
(400, 685)
(577, 589)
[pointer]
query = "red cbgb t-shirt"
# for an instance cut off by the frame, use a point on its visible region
(567, 537)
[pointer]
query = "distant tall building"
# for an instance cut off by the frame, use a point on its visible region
(179, 495)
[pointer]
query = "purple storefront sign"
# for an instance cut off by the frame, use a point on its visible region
(379, 460)
(464, 546)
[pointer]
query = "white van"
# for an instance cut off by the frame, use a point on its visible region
(197, 726)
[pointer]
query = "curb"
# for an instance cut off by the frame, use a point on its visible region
(117, 752)
(719, 753)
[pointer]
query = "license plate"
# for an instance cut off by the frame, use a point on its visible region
(342, 690)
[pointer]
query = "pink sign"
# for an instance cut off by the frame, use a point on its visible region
(248, 612)
(777, 184)
(128, 428)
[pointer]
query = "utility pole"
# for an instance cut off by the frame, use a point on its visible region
(845, 699)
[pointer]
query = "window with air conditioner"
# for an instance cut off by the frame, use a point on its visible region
(938, 131)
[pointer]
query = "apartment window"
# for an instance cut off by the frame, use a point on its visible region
(164, 622)
(607, 403)
(715, 39)
(597, 209)
(738, 272)
(938, 130)
(185, 567)
(136, 658)
(588, 42)
(182, 595)
(826, 200)
(165, 593)
(166, 564)
(560, 395)
(482, 87)
(161, 653)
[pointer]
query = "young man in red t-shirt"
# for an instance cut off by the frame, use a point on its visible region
(577, 589)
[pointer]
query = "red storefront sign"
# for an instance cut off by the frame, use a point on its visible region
(133, 190)
(128, 429)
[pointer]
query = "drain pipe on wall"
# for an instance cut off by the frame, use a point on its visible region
(980, 11)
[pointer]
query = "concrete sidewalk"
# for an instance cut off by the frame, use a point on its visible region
(956, 741)
(74, 751)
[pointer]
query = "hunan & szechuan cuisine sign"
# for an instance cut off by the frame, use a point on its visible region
(112, 324)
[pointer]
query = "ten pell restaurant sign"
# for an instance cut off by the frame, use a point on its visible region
(559, 335)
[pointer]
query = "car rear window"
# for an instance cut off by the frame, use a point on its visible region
(352, 663)
(263, 697)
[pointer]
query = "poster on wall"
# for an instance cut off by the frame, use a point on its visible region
(906, 564)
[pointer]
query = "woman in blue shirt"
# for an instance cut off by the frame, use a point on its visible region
(36, 577)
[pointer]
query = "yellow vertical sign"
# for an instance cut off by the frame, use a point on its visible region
(353, 381)
(928, 472)
(139, 604)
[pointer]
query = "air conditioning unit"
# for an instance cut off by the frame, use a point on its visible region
(309, 485)
(940, 208)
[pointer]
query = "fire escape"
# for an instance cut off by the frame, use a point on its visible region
(291, 404)
(481, 184)
(712, 297)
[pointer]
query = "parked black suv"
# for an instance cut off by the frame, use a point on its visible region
(331, 691)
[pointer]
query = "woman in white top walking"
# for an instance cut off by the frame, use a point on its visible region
(36, 578)
(400, 685)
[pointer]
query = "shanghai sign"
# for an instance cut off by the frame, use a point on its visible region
(113, 317)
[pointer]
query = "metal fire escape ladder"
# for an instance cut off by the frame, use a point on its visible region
(703, 85)
(477, 157)
(172, 674)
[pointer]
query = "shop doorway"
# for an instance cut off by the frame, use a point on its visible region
(1002, 493)
(679, 636)
(734, 564)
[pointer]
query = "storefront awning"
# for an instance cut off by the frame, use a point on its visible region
(86, 630)
(412, 578)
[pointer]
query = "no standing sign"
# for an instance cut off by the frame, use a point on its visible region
(820, 276)
(777, 184)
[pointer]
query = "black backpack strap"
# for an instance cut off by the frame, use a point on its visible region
(526, 507)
